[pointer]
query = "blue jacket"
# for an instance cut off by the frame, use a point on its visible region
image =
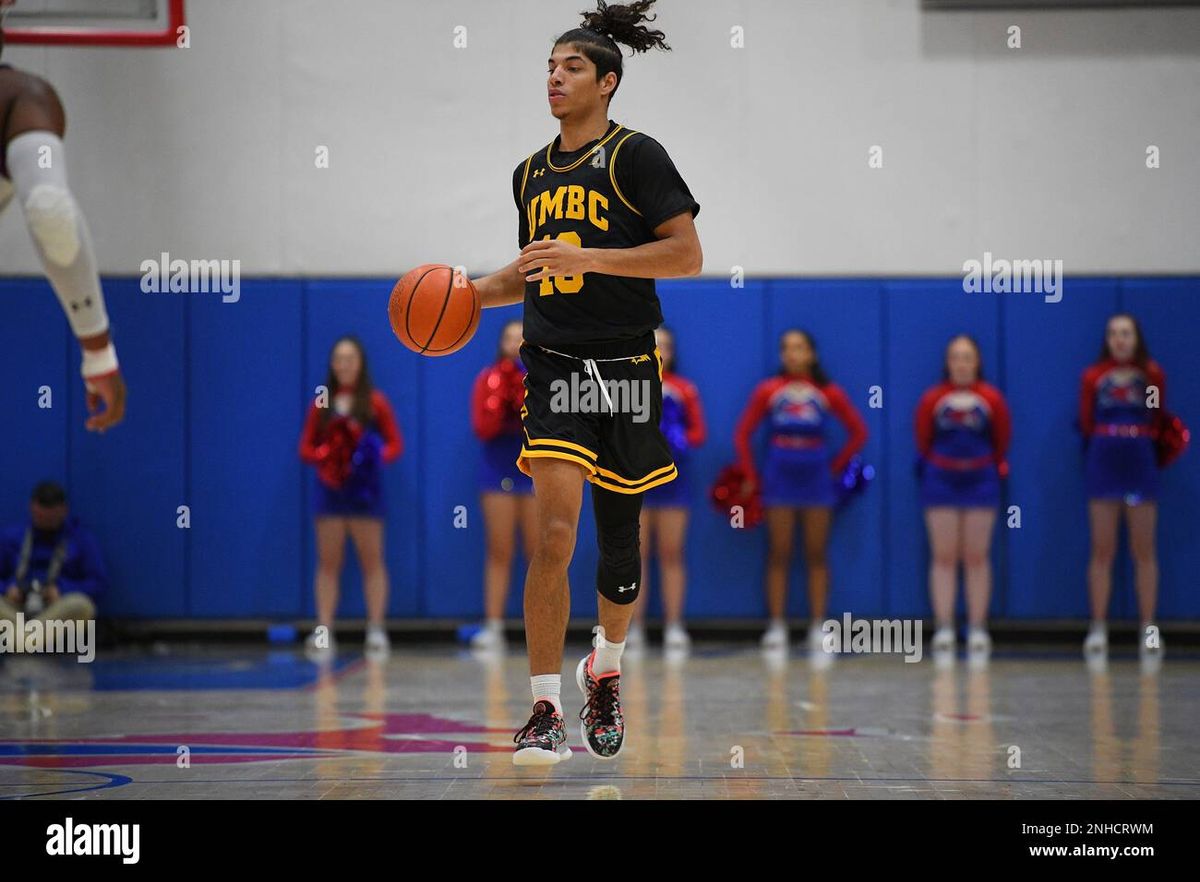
(82, 569)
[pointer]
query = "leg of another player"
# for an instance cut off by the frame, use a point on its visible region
(1105, 517)
(977, 574)
(635, 639)
(672, 530)
(781, 526)
(816, 520)
(331, 547)
(944, 525)
(500, 512)
(367, 535)
(1141, 520)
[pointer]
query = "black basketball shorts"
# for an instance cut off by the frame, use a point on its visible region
(599, 406)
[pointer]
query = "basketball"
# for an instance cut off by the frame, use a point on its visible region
(434, 310)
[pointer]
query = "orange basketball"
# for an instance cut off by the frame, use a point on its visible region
(434, 310)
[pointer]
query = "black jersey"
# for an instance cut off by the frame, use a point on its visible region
(610, 193)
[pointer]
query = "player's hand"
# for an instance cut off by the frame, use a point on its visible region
(51, 594)
(553, 257)
(109, 390)
(14, 596)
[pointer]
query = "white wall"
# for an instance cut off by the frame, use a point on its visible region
(1039, 152)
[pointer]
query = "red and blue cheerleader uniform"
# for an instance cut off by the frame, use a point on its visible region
(1119, 430)
(962, 437)
(798, 470)
(349, 455)
(683, 426)
(496, 401)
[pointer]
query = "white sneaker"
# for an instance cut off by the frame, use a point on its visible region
(676, 638)
(943, 639)
(489, 637)
(776, 636)
(377, 642)
(979, 642)
(1147, 652)
(635, 638)
(320, 643)
(816, 638)
(1096, 642)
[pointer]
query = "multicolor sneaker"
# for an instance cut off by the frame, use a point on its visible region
(543, 741)
(603, 727)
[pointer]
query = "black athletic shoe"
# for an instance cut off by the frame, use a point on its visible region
(543, 741)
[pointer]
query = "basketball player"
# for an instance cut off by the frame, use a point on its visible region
(33, 167)
(603, 212)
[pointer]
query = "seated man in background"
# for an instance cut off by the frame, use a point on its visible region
(50, 569)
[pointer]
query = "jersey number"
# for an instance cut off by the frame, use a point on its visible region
(563, 284)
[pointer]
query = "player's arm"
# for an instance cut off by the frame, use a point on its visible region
(676, 252)
(502, 288)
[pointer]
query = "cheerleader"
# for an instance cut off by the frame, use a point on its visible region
(665, 508)
(348, 437)
(505, 493)
(800, 404)
(963, 428)
(1121, 403)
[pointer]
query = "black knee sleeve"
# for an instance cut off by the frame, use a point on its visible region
(619, 573)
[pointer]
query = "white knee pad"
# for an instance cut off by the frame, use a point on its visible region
(53, 219)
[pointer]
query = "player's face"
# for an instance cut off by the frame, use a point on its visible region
(510, 340)
(346, 363)
(666, 347)
(962, 362)
(47, 517)
(796, 353)
(1122, 338)
(571, 82)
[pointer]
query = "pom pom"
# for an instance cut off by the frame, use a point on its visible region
(731, 489)
(853, 480)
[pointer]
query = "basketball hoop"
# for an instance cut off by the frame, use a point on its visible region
(92, 22)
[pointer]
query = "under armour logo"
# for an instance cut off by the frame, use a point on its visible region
(540, 171)
(623, 589)
(598, 159)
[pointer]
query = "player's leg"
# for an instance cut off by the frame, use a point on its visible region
(500, 511)
(943, 523)
(1104, 516)
(781, 527)
(977, 524)
(558, 490)
(671, 537)
(618, 581)
(636, 638)
(1141, 520)
(367, 535)
(816, 521)
(331, 546)
(37, 165)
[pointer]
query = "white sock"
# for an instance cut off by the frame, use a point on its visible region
(547, 687)
(608, 655)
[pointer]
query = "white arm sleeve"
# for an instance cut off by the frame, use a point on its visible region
(38, 168)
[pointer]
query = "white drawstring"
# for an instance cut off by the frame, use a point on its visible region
(593, 371)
